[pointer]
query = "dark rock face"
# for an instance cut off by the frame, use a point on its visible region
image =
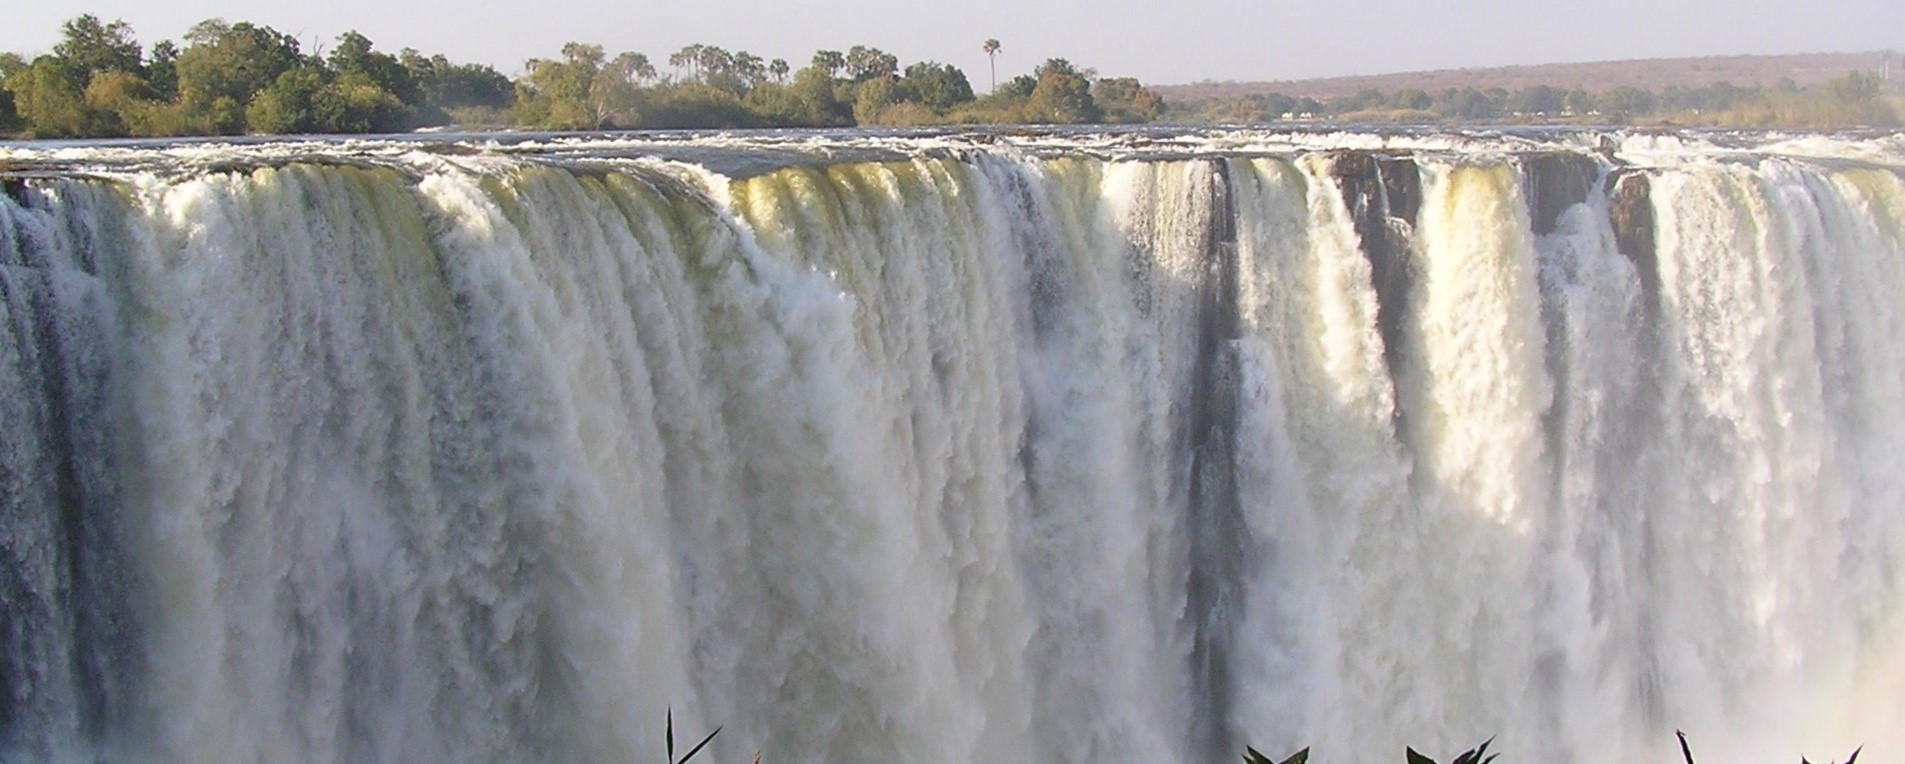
(1554, 181)
(1384, 194)
(1630, 210)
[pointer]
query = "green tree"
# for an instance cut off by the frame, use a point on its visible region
(228, 64)
(1062, 95)
(1627, 102)
(778, 70)
(47, 101)
(554, 94)
(939, 86)
(864, 63)
(820, 103)
(1017, 87)
(829, 62)
(289, 105)
(162, 70)
(689, 56)
(871, 98)
(10, 64)
(448, 86)
(615, 96)
(353, 103)
(1415, 99)
(353, 54)
(1124, 99)
(1540, 99)
(90, 47)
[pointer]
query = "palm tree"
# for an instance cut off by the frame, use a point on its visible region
(991, 47)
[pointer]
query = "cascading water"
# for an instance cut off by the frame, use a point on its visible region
(926, 450)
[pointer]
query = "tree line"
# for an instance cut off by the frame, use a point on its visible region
(1856, 99)
(244, 78)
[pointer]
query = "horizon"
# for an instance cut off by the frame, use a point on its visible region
(1187, 45)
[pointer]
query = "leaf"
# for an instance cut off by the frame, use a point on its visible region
(1684, 749)
(1475, 756)
(1254, 756)
(698, 746)
(1416, 758)
(1855, 755)
(668, 735)
(1303, 757)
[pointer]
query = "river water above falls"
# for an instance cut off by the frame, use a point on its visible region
(953, 448)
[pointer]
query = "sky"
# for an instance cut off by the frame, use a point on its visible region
(1157, 41)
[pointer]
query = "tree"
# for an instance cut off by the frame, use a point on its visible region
(820, 105)
(353, 55)
(47, 101)
(555, 94)
(778, 70)
(1124, 99)
(864, 63)
(689, 56)
(162, 70)
(1540, 99)
(1856, 98)
(1017, 87)
(750, 69)
(991, 47)
(458, 86)
(89, 47)
(10, 64)
(830, 62)
(614, 96)
(936, 85)
(354, 104)
(1062, 95)
(1627, 102)
(633, 67)
(227, 65)
(289, 104)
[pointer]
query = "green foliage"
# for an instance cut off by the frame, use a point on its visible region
(1062, 95)
(1017, 87)
(233, 78)
(288, 105)
(89, 47)
(353, 56)
(447, 86)
(935, 85)
(46, 99)
(829, 62)
(864, 63)
(162, 71)
(1124, 99)
(695, 104)
(227, 65)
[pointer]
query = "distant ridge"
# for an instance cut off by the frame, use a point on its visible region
(1647, 74)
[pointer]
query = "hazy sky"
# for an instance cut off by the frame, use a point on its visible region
(1159, 41)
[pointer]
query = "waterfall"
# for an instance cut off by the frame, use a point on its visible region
(1038, 449)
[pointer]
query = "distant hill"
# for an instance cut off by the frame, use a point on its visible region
(1647, 74)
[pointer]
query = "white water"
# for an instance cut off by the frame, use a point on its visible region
(975, 455)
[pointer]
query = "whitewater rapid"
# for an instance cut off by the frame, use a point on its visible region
(953, 448)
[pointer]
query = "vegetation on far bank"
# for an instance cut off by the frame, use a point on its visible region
(1855, 99)
(239, 78)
